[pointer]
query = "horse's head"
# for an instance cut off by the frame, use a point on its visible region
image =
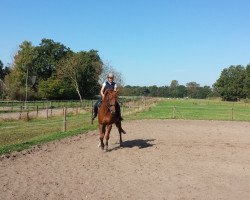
(110, 97)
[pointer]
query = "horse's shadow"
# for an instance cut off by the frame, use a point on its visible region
(140, 143)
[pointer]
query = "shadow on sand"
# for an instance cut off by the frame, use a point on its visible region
(140, 143)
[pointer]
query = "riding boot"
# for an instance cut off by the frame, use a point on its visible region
(96, 107)
(95, 112)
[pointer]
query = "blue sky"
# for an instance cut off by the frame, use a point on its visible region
(151, 42)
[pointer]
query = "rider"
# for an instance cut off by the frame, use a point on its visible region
(109, 84)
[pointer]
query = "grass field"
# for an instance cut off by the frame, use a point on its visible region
(196, 109)
(19, 135)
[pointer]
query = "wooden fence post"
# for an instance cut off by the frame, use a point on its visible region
(173, 116)
(20, 114)
(92, 111)
(47, 112)
(64, 119)
(232, 114)
(27, 113)
(37, 111)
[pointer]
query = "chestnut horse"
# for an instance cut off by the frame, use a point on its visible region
(107, 115)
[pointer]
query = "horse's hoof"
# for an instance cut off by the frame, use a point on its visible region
(106, 148)
(101, 145)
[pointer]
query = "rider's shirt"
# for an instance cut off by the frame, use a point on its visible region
(109, 86)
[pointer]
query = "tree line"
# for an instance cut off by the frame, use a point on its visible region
(191, 90)
(51, 70)
(232, 85)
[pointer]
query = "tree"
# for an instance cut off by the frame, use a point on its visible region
(247, 82)
(41, 61)
(192, 88)
(15, 84)
(50, 53)
(203, 92)
(230, 84)
(106, 69)
(174, 84)
(25, 57)
(35, 61)
(82, 69)
(54, 88)
(173, 88)
(56, 70)
(181, 91)
(153, 90)
(22, 68)
(1, 71)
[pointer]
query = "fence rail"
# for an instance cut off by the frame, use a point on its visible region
(18, 127)
(53, 120)
(204, 112)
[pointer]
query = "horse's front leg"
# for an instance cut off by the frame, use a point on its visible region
(101, 135)
(107, 133)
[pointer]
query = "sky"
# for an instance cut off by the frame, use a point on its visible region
(150, 42)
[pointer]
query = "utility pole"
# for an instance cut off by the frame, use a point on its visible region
(26, 90)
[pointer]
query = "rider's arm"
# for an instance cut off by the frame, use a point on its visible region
(115, 87)
(102, 91)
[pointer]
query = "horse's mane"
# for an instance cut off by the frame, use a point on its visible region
(110, 91)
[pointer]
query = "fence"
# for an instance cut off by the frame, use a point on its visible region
(55, 120)
(16, 106)
(204, 113)
(28, 123)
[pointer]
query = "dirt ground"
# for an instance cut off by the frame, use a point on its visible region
(161, 159)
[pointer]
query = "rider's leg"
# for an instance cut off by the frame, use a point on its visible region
(97, 104)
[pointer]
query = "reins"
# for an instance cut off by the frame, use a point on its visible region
(108, 105)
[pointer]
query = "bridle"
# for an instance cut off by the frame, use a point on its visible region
(109, 106)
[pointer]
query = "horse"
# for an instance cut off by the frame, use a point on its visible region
(107, 115)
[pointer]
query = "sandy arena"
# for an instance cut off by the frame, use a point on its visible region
(161, 159)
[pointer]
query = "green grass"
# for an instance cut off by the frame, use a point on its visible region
(41, 139)
(196, 110)
(17, 135)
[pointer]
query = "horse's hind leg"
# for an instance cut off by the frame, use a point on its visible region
(119, 126)
(120, 130)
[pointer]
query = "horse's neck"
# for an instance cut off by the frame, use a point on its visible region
(104, 105)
